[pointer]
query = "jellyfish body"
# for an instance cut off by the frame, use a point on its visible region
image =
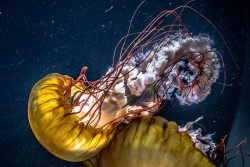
(150, 141)
(74, 123)
(76, 119)
(58, 130)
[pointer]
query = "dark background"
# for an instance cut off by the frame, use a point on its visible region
(42, 37)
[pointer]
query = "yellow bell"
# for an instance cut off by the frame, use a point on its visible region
(150, 142)
(56, 128)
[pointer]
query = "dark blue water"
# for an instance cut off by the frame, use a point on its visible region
(42, 37)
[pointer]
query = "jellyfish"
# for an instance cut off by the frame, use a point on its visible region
(76, 119)
(150, 141)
